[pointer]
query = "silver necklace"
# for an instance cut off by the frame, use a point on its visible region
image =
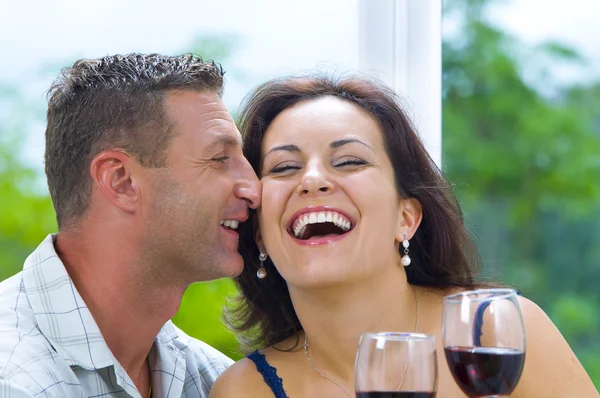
(312, 364)
(416, 330)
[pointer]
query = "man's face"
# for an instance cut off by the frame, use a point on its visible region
(195, 204)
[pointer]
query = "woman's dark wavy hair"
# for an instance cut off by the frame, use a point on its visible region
(442, 252)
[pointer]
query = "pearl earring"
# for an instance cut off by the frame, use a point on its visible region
(405, 259)
(262, 272)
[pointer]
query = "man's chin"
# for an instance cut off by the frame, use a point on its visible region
(236, 269)
(230, 267)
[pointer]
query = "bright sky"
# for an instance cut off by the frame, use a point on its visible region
(275, 37)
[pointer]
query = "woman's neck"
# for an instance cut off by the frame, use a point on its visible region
(334, 318)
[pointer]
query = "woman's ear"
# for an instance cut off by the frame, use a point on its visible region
(257, 235)
(409, 218)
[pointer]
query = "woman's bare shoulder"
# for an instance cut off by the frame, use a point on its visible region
(242, 377)
(238, 380)
(551, 367)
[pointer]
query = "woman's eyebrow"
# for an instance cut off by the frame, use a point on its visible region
(339, 143)
(288, 148)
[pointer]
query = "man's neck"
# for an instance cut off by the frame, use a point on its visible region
(127, 305)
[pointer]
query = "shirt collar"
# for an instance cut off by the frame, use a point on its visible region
(61, 313)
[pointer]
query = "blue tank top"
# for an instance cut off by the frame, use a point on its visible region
(269, 374)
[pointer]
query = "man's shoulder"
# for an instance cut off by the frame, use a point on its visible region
(27, 359)
(10, 288)
(203, 363)
(17, 319)
(203, 353)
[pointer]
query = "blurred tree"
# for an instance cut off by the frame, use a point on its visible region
(522, 150)
(218, 48)
(26, 214)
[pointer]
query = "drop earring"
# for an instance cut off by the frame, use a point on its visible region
(262, 272)
(405, 243)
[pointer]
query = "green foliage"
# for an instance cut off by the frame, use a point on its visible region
(523, 154)
(577, 315)
(26, 214)
(219, 48)
(591, 362)
(201, 311)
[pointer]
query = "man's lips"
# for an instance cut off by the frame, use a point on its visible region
(234, 220)
(231, 223)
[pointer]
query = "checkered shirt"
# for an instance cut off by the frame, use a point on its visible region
(50, 346)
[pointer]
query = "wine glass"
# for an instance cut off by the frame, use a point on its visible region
(484, 341)
(396, 365)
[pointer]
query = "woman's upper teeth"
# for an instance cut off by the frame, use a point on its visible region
(320, 217)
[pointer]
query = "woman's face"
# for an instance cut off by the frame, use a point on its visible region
(330, 210)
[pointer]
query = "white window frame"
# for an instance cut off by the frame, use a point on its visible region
(401, 41)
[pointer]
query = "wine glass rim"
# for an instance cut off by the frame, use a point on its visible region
(399, 336)
(496, 294)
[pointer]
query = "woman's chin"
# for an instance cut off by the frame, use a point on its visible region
(319, 275)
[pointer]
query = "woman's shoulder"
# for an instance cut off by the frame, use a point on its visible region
(550, 365)
(238, 379)
(538, 325)
(539, 328)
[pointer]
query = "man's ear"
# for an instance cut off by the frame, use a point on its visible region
(409, 218)
(113, 174)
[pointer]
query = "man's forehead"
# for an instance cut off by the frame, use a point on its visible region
(194, 111)
(225, 139)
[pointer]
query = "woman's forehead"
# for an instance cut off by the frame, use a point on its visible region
(324, 119)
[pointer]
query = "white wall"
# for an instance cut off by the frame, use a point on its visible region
(401, 42)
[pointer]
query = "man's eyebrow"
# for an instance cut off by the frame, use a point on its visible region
(224, 140)
(288, 147)
(339, 143)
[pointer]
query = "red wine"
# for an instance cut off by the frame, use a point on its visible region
(395, 394)
(483, 371)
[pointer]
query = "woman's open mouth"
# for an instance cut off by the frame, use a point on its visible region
(319, 227)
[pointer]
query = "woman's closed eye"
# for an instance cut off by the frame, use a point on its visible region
(288, 167)
(349, 162)
(283, 167)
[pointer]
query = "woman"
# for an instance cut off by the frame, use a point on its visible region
(358, 231)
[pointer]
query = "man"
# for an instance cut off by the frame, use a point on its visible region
(149, 183)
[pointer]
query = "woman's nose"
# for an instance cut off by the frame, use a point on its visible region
(315, 181)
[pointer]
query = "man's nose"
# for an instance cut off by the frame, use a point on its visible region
(248, 186)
